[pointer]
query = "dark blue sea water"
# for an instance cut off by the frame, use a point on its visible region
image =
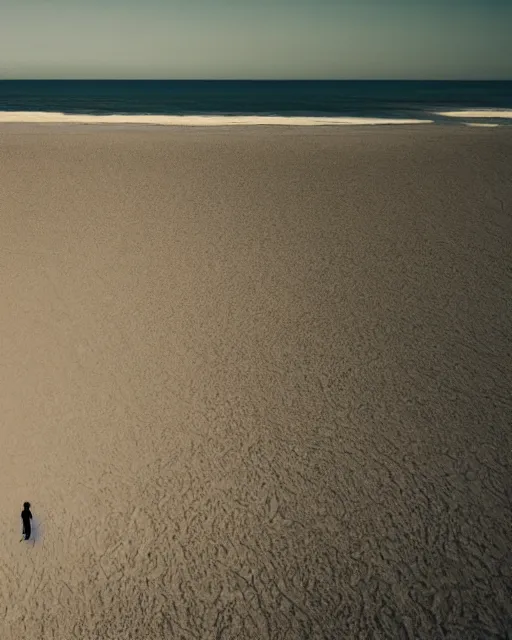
(389, 99)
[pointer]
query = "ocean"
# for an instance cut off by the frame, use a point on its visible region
(350, 100)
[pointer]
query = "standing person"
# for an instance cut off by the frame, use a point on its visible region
(26, 517)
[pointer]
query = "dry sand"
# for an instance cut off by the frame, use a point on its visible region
(256, 384)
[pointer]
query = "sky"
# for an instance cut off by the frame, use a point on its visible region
(256, 39)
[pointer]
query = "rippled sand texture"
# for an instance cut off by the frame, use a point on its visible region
(256, 384)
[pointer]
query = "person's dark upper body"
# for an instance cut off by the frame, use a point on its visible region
(26, 516)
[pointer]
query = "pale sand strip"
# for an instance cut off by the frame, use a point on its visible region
(256, 385)
(195, 121)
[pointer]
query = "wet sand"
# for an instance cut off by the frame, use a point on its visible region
(256, 383)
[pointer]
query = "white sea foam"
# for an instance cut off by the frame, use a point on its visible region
(481, 124)
(480, 113)
(192, 121)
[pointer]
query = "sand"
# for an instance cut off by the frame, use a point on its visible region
(256, 384)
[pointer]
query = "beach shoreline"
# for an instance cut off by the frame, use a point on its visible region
(197, 120)
(427, 129)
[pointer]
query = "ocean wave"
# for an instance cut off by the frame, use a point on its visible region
(477, 113)
(481, 124)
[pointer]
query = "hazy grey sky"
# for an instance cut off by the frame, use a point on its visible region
(256, 39)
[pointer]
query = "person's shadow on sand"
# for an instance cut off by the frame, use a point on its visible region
(26, 517)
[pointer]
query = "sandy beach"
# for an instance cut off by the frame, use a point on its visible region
(256, 383)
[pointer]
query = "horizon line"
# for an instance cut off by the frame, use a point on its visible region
(135, 79)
